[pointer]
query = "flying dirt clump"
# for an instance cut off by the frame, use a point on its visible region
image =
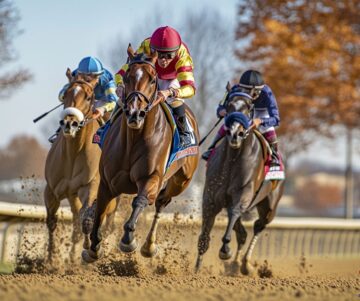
(264, 270)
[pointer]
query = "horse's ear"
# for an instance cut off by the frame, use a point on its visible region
(228, 87)
(153, 55)
(130, 52)
(68, 74)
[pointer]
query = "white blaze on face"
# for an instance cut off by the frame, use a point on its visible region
(76, 90)
(138, 75)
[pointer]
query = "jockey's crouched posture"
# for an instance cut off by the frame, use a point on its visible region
(174, 68)
(265, 114)
(105, 95)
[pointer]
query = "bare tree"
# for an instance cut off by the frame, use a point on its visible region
(210, 38)
(9, 18)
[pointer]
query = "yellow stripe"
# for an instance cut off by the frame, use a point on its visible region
(185, 76)
(110, 91)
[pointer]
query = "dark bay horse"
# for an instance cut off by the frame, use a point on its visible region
(72, 164)
(235, 181)
(135, 155)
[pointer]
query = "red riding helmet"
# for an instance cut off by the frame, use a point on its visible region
(165, 39)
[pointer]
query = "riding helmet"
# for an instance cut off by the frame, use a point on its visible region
(165, 39)
(90, 65)
(251, 79)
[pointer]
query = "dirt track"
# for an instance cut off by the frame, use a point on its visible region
(170, 276)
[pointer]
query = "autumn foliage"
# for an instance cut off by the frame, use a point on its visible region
(309, 52)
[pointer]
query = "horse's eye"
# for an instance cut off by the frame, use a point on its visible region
(153, 81)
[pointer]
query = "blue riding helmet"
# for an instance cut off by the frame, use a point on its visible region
(90, 65)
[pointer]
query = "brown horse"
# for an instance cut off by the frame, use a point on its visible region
(135, 155)
(72, 164)
(235, 181)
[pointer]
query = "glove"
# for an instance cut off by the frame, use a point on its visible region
(221, 111)
(98, 112)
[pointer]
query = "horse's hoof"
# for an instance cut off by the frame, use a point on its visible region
(149, 252)
(128, 248)
(247, 269)
(224, 255)
(90, 256)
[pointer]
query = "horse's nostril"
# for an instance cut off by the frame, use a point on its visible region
(142, 114)
(75, 124)
(62, 122)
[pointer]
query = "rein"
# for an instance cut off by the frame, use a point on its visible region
(150, 101)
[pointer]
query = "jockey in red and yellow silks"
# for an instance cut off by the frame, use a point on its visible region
(174, 68)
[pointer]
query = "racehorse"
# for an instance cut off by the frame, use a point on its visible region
(235, 181)
(134, 158)
(72, 164)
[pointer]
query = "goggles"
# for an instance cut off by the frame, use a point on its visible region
(166, 55)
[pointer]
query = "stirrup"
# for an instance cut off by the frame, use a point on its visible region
(206, 155)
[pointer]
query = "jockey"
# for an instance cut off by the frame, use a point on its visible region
(105, 96)
(174, 68)
(265, 115)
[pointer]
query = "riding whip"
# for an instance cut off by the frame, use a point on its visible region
(203, 139)
(43, 115)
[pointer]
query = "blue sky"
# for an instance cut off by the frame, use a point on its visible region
(57, 34)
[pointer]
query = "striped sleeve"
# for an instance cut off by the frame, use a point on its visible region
(185, 75)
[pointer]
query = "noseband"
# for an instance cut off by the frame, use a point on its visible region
(132, 94)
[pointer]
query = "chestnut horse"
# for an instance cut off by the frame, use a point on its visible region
(134, 158)
(235, 181)
(72, 164)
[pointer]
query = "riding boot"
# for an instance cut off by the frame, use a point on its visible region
(275, 158)
(53, 137)
(185, 130)
(220, 134)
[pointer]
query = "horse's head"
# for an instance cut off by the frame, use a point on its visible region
(140, 82)
(239, 107)
(78, 104)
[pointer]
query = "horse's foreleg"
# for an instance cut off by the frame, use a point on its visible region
(110, 217)
(75, 205)
(233, 216)
(52, 206)
(265, 217)
(241, 235)
(149, 248)
(95, 252)
(87, 195)
(208, 220)
(148, 191)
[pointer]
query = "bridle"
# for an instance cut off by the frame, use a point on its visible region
(87, 118)
(131, 96)
(250, 107)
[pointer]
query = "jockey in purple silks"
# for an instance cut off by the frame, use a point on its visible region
(265, 114)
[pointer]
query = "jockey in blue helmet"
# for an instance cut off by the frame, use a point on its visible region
(105, 97)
